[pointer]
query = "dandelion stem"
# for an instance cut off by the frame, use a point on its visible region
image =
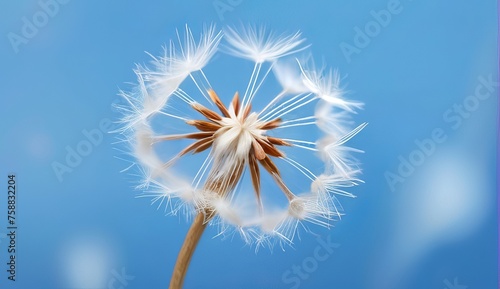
(187, 250)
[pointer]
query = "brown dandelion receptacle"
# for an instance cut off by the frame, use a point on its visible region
(261, 150)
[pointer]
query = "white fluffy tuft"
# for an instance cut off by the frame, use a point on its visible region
(259, 45)
(326, 86)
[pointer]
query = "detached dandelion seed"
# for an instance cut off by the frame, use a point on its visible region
(200, 153)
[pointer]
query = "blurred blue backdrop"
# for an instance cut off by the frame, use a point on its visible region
(425, 69)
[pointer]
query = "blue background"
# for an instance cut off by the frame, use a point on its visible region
(436, 229)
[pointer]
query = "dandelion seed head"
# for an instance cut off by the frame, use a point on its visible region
(199, 152)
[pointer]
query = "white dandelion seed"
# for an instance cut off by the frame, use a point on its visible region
(326, 86)
(207, 156)
(260, 45)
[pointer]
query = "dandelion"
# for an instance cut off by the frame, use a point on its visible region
(262, 164)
